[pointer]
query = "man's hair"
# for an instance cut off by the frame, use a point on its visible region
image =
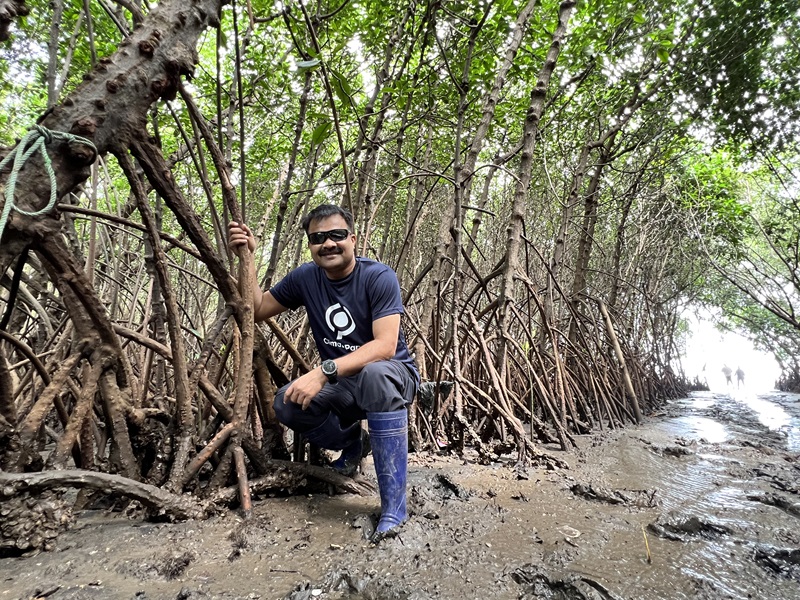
(323, 211)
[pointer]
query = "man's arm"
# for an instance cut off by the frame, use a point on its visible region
(268, 307)
(241, 239)
(385, 331)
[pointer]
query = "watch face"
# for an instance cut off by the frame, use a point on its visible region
(329, 367)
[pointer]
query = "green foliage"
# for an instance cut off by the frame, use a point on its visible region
(759, 291)
(711, 190)
(741, 70)
(662, 72)
(764, 328)
(778, 210)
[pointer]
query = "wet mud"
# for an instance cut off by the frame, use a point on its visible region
(701, 501)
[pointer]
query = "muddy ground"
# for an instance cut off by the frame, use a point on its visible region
(699, 502)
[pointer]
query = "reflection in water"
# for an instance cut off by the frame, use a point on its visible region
(793, 439)
(701, 428)
(774, 417)
(770, 414)
(764, 408)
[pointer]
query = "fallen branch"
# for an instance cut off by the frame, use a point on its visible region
(164, 502)
(285, 475)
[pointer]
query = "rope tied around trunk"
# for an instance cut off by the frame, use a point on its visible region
(35, 140)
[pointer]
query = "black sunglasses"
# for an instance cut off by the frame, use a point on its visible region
(319, 237)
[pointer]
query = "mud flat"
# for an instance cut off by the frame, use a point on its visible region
(702, 501)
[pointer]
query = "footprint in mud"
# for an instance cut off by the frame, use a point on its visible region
(250, 535)
(641, 498)
(345, 583)
(793, 508)
(676, 450)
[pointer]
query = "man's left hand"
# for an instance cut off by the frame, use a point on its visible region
(303, 389)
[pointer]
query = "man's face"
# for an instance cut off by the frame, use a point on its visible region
(337, 258)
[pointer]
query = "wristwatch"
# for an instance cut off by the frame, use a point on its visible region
(330, 370)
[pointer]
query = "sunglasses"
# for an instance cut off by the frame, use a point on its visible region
(319, 237)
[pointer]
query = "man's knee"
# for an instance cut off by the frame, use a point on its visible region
(375, 371)
(282, 410)
(294, 417)
(385, 386)
(379, 378)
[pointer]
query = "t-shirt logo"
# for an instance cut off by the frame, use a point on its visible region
(340, 320)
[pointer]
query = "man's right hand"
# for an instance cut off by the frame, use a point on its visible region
(239, 236)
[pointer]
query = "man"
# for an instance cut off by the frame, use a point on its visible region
(354, 308)
(726, 370)
(739, 377)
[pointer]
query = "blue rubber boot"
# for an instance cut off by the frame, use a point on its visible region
(331, 436)
(350, 459)
(388, 432)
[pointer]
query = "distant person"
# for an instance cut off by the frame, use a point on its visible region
(739, 377)
(727, 371)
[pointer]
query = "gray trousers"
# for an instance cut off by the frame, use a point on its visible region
(382, 386)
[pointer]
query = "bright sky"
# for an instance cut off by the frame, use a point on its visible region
(710, 349)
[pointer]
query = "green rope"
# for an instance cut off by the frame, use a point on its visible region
(38, 137)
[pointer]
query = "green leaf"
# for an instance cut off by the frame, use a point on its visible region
(338, 87)
(663, 55)
(341, 86)
(639, 19)
(320, 133)
(308, 64)
(314, 115)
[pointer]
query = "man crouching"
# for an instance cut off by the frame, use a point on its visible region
(354, 308)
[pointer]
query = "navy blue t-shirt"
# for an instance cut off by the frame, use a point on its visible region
(341, 311)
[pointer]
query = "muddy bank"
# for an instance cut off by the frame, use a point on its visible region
(700, 502)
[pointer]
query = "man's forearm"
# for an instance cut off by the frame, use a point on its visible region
(258, 295)
(372, 351)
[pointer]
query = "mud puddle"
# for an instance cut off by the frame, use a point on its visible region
(702, 501)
